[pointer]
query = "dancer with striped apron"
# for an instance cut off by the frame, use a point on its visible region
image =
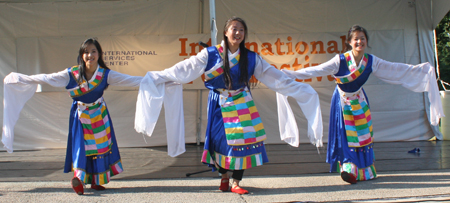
(92, 150)
(235, 133)
(350, 136)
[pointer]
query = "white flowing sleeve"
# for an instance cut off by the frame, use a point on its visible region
(17, 90)
(306, 97)
(417, 78)
(119, 79)
(184, 71)
(330, 67)
(164, 87)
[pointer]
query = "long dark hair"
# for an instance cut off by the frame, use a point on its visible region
(350, 33)
(243, 60)
(82, 64)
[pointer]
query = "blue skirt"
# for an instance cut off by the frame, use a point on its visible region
(217, 151)
(338, 151)
(98, 167)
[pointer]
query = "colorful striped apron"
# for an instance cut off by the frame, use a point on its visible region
(357, 117)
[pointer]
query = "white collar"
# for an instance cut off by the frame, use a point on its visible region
(95, 73)
(354, 61)
(230, 55)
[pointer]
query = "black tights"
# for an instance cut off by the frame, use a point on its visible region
(237, 174)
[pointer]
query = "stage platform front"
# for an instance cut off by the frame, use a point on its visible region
(154, 163)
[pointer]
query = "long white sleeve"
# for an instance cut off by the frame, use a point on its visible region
(330, 67)
(184, 71)
(163, 87)
(417, 78)
(18, 89)
(119, 79)
(306, 97)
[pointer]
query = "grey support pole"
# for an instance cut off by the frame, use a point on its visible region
(212, 17)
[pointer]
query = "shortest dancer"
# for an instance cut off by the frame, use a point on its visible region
(235, 134)
(92, 150)
(350, 136)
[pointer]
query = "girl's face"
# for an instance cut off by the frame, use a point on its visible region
(235, 33)
(358, 41)
(90, 56)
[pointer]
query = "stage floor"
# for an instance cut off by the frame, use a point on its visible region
(154, 163)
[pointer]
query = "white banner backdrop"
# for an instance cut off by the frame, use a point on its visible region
(139, 36)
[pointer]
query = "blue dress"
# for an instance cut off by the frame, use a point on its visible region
(92, 150)
(234, 133)
(342, 156)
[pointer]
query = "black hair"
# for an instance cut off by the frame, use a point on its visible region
(243, 60)
(350, 33)
(82, 64)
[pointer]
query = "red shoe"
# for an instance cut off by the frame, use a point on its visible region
(239, 190)
(77, 185)
(224, 184)
(97, 187)
(348, 177)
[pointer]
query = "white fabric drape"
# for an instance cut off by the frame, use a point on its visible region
(417, 78)
(306, 97)
(19, 88)
(151, 98)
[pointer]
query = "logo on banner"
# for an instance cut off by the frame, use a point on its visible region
(124, 58)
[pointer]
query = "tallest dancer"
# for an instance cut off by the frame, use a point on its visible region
(235, 134)
(350, 137)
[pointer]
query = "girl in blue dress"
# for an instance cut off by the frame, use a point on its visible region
(350, 135)
(92, 150)
(235, 135)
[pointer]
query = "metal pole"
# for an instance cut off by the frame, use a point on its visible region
(199, 116)
(413, 3)
(199, 92)
(212, 16)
